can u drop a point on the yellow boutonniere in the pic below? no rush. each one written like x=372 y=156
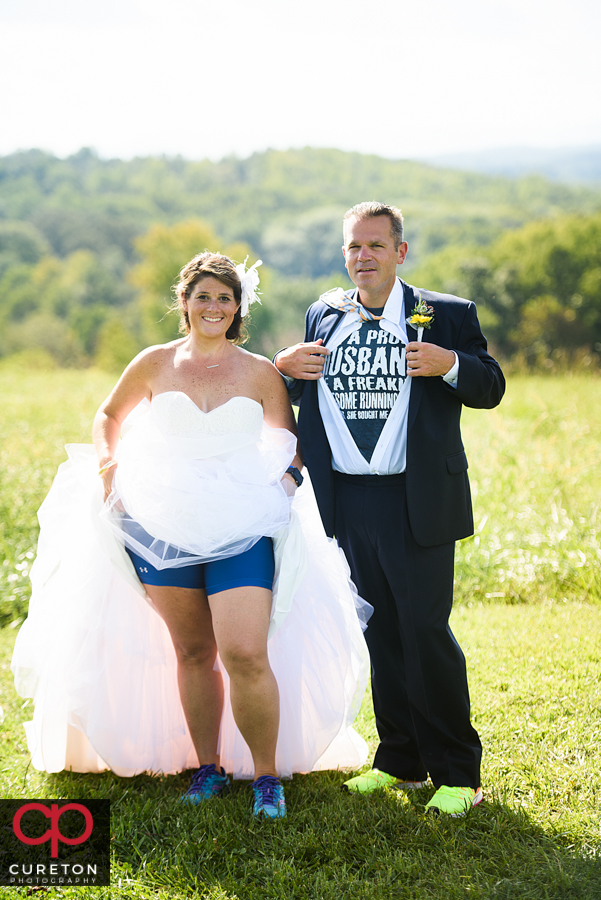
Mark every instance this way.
x=421 y=317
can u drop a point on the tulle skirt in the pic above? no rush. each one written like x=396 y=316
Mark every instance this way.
x=193 y=486
x=99 y=663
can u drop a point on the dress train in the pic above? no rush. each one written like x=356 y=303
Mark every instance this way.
x=100 y=666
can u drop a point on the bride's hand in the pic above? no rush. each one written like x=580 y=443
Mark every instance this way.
x=107 y=481
x=289 y=485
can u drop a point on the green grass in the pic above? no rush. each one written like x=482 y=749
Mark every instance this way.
x=528 y=618
x=535 y=682
x=39 y=413
x=536 y=481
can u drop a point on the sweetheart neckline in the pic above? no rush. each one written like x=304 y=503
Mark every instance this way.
x=215 y=408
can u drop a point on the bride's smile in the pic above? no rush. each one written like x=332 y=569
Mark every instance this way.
x=211 y=307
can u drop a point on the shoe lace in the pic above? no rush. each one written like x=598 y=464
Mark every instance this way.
x=267 y=786
x=200 y=778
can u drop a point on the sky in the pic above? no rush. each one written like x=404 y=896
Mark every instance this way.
x=208 y=79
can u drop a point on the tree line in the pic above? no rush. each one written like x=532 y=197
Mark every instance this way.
x=89 y=248
x=538 y=289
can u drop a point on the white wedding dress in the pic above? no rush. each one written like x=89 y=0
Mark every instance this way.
x=95 y=656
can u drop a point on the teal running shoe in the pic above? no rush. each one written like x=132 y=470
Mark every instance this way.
x=269 y=797
x=205 y=784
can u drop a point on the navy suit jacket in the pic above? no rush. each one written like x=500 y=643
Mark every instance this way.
x=438 y=492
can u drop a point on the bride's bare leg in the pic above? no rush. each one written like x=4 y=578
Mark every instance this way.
x=240 y=624
x=188 y=617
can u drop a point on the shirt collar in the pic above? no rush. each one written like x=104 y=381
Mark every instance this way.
x=393 y=316
x=393 y=310
x=393 y=319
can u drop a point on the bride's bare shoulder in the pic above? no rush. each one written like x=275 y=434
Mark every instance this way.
x=254 y=360
x=259 y=366
x=267 y=382
x=157 y=355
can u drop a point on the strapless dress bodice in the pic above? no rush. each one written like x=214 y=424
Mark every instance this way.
x=176 y=414
x=198 y=484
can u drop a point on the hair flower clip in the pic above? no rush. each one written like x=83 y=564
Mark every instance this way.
x=421 y=317
x=249 y=282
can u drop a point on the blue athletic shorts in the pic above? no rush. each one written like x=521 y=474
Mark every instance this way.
x=254 y=568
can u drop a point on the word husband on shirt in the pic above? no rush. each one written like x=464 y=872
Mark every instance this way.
x=365 y=374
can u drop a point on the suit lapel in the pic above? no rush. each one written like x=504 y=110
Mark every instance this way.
x=329 y=321
x=417 y=384
x=410 y=297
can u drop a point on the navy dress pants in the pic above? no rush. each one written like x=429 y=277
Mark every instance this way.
x=419 y=680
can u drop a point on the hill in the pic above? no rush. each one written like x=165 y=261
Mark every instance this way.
x=573 y=165
x=286 y=205
x=74 y=269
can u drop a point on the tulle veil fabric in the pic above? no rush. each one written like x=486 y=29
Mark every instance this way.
x=98 y=660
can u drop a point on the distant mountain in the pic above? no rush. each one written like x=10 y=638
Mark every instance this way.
x=576 y=165
x=286 y=205
x=71 y=225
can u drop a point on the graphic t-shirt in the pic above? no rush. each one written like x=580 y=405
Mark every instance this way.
x=365 y=374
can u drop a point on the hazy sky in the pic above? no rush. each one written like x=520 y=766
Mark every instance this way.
x=206 y=79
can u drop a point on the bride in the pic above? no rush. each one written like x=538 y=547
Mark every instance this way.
x=255 y=663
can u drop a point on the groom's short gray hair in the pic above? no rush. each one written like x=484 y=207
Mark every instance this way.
x=371 y=209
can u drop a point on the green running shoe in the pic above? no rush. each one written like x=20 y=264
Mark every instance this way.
x=454 y=801
x=374 y=780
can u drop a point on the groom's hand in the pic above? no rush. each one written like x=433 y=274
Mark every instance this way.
x=304 y=361
x=428 y=359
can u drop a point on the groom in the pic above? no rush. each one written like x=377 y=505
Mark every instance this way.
x=379 y=432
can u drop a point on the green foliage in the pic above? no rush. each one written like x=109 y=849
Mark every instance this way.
x=30 y=360
x=20 y=242
x=555 y=265
x=46 y=332
x=307 y=245
x=538 y=288
x=115 y=348
x=58 y=305
x=76 y=236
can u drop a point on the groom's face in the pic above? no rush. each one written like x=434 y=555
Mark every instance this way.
x=370 y=253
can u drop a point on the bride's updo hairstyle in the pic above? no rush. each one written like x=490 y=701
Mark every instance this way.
x=212 y=265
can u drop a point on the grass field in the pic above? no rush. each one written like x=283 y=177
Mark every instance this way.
x=528 y=616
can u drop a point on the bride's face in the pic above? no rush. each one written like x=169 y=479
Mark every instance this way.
x=211 y=307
